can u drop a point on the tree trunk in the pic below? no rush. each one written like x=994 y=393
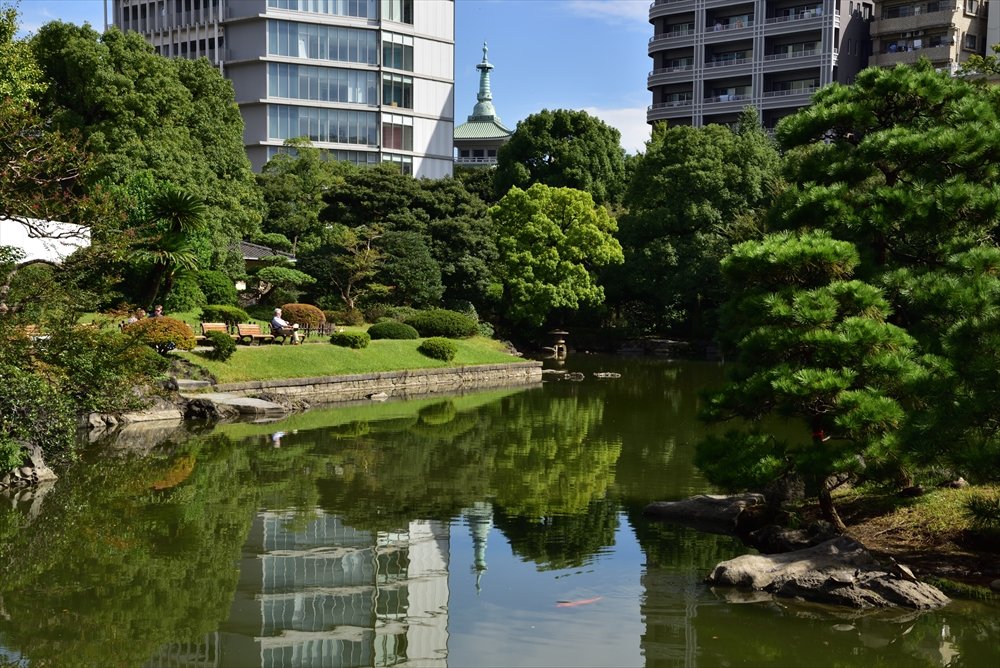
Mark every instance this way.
x=828 y=509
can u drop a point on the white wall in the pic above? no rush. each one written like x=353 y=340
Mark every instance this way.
x=435 y=18
x=436 y=59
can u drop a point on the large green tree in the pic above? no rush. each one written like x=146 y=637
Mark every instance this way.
x=139 y=112
x=694 y=193
x=551 y=244
x=293 y=184
x=905 y=164
x=452 y=224
x=814 y=345
x=564 y=149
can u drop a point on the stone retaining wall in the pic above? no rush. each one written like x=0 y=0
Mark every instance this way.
x=326 y=389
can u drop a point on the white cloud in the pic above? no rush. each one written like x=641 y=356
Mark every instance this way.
x=629 y=12
x=631 y=122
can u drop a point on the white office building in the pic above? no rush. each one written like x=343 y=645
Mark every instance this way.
x=367 y=80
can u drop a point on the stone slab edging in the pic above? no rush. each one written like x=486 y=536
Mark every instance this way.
x=393 y=383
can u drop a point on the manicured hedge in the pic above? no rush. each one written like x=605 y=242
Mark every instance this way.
x=223 y=346
x=438 y=348
x=442 y=322
x=391 y=329
x=351 y=317
x=231 y=315
x=163 y=333
x=351 y=339
x=218 y=288
x=304 y=315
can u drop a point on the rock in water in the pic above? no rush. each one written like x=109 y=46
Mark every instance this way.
x=840 y=571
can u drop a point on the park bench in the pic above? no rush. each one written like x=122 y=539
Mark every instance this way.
x=283 y=334
x=207 y=327
x=248 y=333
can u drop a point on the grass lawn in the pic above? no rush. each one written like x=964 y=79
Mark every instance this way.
x=318 y=357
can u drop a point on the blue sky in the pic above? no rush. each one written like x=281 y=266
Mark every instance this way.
x=547 y=54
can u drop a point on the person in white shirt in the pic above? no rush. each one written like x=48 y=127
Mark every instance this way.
x=281 y=326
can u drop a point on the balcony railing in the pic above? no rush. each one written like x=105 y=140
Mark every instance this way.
x=794 y=54
x=668 y=70
x=723 y=27
x=801 y=16
x=670 y=105
x=791 y=91
x=725 y=98
x=476 y=161
x=917 y=10
x=727 y=62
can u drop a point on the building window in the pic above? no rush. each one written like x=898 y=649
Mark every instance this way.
x=301 y=40
x=970 y=42
x=397 y=51
x=397 y=132
x=972 y=7
x=400 y=11
x=405 y=162
x=325 y=125
x=397 y=91
x=364 y=9
x=324 y=84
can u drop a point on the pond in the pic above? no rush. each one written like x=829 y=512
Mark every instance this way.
x=500 y=528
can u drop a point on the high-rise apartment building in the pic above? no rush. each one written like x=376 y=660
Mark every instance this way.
x=711 y=58
x=366 y=80
x=945 y=32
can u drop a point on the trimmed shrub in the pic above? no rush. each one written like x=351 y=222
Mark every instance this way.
x=218 y=288
x=438 y=348
x=223 y=346
x=442 y=322
x=231 y=315
x=390 y=329
x=351 y=339
x=163 y=334
x=305 y=315
x=351 y=317
x=376 y=312
x=185 y=295
x=485 y=329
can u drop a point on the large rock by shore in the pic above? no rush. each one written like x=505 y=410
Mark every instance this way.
x=840 y=571
x=707 y=512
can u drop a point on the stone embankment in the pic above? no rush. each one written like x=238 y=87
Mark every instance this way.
x=811 y=564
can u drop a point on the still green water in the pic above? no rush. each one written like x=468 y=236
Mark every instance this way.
x=500 y=528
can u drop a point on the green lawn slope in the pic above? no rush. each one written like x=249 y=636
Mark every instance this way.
x=320 y=358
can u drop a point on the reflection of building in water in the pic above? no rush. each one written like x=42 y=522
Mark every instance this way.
x=316 y=592
x=480 y=519
x=668 y=610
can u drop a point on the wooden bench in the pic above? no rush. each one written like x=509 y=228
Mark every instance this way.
x=207 y=327
x=283 y=335
x=248 y=333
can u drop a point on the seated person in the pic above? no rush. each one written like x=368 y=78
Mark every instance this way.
x=281 y=327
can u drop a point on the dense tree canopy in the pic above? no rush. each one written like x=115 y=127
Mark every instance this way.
x=551 y=243
x=564 y=149
x=139 y=112
x=694 y=194
x=439 y=217
x=893 y=375
x=813 y=345
x=293 y=185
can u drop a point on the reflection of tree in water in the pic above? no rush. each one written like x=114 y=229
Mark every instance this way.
x=429 y=468
x=126 y=555
x=547 y=461
x=784 y=633
x=561 y=541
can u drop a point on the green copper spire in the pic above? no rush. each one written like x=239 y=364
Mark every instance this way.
x=484 y=110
